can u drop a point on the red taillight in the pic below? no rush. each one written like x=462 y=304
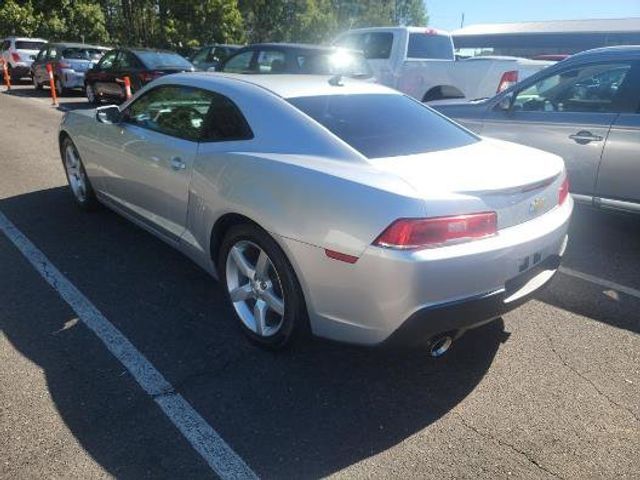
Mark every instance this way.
x=408 y=233
x=563 y=191
x=508 y=79
x=64 y=65
x=15 y=56
x=146 y=77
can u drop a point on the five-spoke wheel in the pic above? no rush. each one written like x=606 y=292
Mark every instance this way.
x=261 y=286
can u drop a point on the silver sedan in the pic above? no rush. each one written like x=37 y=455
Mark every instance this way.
x=327 y=205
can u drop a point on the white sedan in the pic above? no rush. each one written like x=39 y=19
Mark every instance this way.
x=327 y=205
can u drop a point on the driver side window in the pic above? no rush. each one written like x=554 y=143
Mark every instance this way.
x=589 y=88
x=107 y=61
x=173 y=110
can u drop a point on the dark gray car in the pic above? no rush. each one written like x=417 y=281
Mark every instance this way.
x=585 y=109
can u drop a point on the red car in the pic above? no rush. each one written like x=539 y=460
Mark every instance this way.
x=105 y=81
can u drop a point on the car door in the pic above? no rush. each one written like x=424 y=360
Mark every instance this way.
x=568 y=112
x=102 y=73
x=619 y=172
x=148 y=157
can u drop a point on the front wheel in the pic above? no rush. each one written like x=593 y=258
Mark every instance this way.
x=262 y=287
x=77 y=177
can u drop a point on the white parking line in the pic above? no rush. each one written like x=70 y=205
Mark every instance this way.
x=601 y=281
x=202 y=437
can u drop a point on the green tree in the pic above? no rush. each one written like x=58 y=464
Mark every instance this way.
x=18 y=18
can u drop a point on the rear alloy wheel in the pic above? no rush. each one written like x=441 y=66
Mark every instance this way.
x=77 y=177
x=91 y=95
x=261 y=286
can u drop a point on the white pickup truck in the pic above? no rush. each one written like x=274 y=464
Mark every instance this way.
x=421 y=62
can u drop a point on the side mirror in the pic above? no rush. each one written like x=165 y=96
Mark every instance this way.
x=109 y=115
x=505 y=103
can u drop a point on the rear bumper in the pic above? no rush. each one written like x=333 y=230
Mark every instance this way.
x=439 y=290
x=21 y=70
x=459 y=316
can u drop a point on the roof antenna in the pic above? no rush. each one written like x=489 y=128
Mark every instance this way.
x=336 y=81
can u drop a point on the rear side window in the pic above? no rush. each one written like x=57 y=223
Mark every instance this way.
x=429 y=45
x=225 y=122
x=26 y=45
x=384 y=125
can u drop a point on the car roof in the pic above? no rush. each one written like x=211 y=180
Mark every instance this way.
x=291 y=46
x=605 y=53
x=78 y=45
x=292 y=85
x=25 y=39
x=410 y=29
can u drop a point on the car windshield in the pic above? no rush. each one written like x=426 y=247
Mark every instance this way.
x=163 y=60
x=341 y=62
x=28 y=45
x=384 y=125
x=430 y=45
x=80 y=53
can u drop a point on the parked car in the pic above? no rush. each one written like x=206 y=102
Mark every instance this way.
x=586 y=109
x=18 y=53
x=210 y=56
x=281 y=58
x=69 y=61
x=105 y=81
x=421 y=62
x=347 y=208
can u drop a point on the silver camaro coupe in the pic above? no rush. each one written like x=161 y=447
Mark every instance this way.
x=327 y=205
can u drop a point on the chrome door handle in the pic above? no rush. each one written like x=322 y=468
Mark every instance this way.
x=584 y=136
x=177 y=164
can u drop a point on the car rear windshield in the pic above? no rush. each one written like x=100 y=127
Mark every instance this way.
x=160 y=60
x=384 y=125
x=27 y=45
x=350 y=64
x=428 y=45
x=79 y=53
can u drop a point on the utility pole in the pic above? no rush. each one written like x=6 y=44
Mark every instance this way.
x=462 y=20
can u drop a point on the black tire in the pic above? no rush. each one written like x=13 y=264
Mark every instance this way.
x=95 y=100
x=295 y=325
x=36 y=85
x=12 y=75
x=60 y=90
x=89 y=202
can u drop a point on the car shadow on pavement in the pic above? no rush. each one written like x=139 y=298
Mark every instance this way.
x=605 y=245
x=303 y=413
x=72 y=100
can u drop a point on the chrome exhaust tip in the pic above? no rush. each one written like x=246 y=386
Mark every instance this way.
x=438 y=346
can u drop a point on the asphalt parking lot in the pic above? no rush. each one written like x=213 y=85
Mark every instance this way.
x=550 y=391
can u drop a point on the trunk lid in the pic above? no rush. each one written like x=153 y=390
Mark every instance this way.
x=519 y=183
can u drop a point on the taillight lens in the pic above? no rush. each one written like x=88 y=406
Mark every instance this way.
x=508 y=79
x=15 y=56
x=563 y=191
x=413 y=233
